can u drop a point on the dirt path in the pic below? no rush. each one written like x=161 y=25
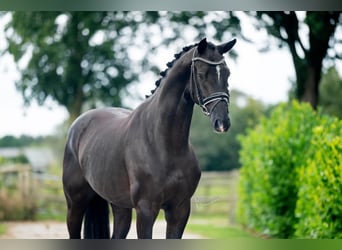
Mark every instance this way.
x=58 y=230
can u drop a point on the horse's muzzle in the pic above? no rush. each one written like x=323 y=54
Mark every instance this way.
x=220 y=119
x=221 y=126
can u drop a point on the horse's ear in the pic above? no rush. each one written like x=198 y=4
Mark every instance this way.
x=202 y=45
x=223 y=48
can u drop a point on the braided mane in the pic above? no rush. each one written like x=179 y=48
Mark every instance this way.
x=169 y=66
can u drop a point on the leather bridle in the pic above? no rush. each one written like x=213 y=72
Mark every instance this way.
x=215 y=97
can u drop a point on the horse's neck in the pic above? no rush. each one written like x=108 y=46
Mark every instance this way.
x=174 y=83
x=174 y=111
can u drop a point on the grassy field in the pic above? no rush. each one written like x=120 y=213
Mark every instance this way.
x=216 y=227
x=2 y=229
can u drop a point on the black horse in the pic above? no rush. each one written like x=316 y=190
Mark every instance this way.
x=143 y=159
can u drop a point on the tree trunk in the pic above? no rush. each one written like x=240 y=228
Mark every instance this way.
x=311 y=86
x=322 y=27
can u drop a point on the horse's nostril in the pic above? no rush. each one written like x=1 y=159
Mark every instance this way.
x=219 y=126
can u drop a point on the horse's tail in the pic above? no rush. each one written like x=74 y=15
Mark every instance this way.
x=96 y=223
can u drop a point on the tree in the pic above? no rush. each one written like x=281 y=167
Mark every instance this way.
x=75 y=58
x=308 y=60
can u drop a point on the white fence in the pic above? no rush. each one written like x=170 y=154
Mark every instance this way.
x=217 y=193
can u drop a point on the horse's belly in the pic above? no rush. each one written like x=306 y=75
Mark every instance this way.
x=114 y=193
x=111 y=183
x=121 y=200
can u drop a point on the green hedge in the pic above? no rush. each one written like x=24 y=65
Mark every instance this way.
x=272 y=157
x=319 y=204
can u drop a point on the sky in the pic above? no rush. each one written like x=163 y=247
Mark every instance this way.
x=264 y=76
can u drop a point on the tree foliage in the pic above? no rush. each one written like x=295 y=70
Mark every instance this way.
x=74 y=58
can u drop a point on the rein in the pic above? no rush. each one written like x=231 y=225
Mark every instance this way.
x=215 y=97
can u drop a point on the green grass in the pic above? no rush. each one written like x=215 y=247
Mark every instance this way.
x=2 y=229
x=218 y=232
x=51 y=216
x=216 y=227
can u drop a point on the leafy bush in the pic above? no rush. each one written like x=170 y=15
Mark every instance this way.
x=271 y=155
x=319 y=205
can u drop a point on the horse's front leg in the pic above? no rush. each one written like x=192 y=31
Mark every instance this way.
x=176 y=218
x=122 y=222
x=146 y=216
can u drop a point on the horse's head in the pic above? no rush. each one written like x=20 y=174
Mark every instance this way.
x=209 y=82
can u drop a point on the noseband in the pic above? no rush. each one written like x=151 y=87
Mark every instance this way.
x=215 y=97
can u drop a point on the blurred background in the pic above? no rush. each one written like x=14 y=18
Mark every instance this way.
x=285 y=72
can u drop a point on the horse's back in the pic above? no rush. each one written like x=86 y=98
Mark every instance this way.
x=90 y=124
x=98 y=117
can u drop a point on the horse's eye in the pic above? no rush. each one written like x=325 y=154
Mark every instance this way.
x=201 y=76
